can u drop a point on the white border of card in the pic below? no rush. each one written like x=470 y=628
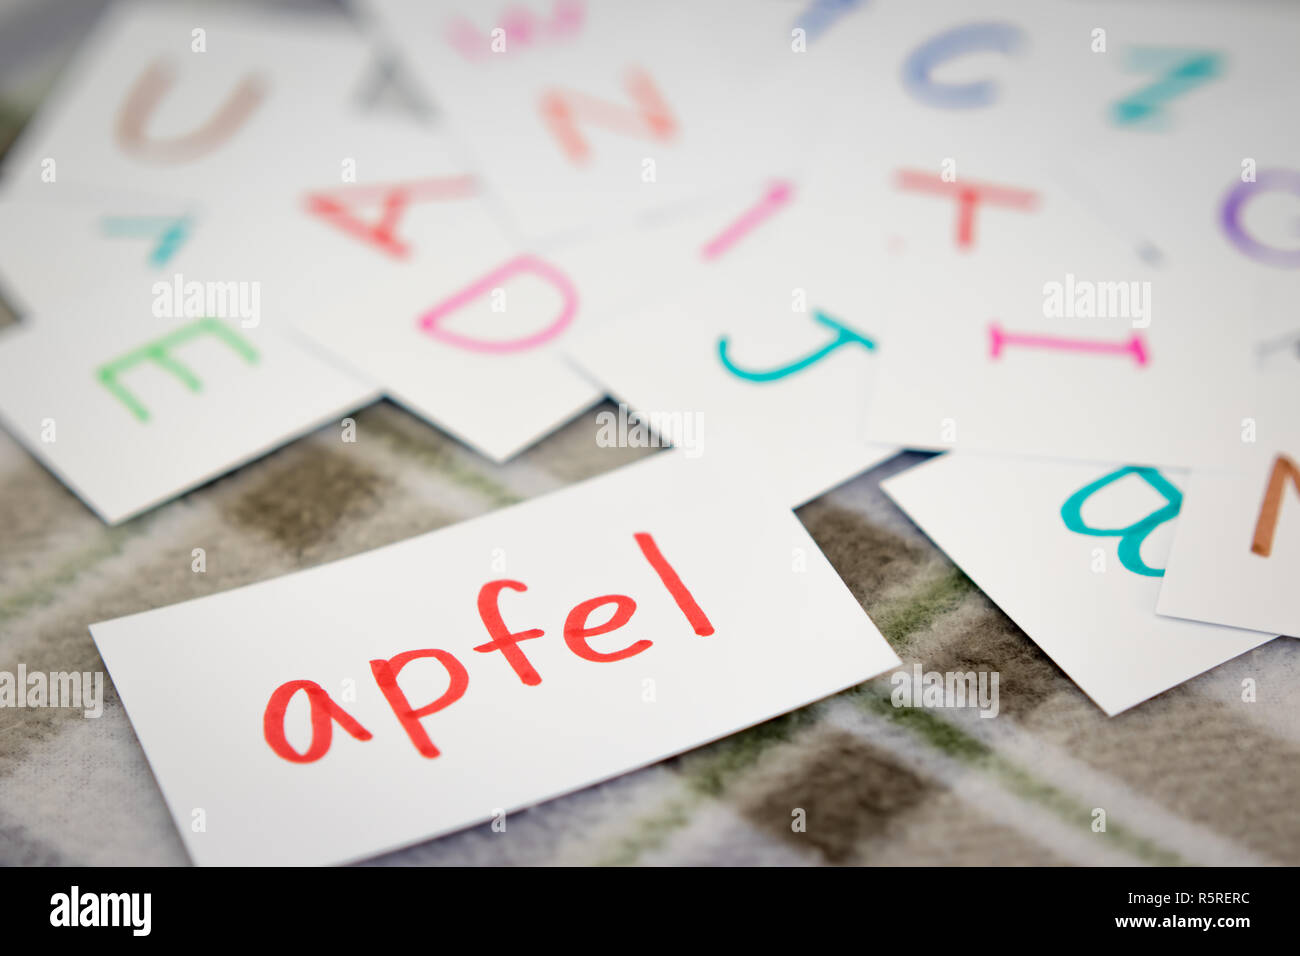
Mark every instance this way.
x=1076 y=594
x=1236 y=556
x=276 y=708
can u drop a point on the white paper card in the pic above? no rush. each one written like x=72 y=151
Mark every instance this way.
x=147 y=363
x=760 y=353
x=164 y=101
x=651 y=610
x=1087 y=597
x=582 y=112
x=1017 y=320
x=130 y=411
x=401 y=273
x=62 y=260
x=1175 y=133
x=1085 y=358
x=1236 y=556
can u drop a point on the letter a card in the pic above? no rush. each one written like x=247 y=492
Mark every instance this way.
x=401 y=694
x=1236 y=554
x=1073 y=554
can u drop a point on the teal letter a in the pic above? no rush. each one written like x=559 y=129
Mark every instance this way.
x=1130 y=538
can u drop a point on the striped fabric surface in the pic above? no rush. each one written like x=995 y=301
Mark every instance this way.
x=1194 y=776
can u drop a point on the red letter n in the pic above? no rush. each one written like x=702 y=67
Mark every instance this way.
x=651 y=119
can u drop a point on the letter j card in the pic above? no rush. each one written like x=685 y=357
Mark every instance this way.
x=462 y=675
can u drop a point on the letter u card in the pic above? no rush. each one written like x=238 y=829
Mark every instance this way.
x=166 y=101
x=1073 y=553
x=462 y=675
x=771 y=338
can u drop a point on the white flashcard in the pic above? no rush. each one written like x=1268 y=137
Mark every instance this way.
x=60 y=261
x=462 y=675
x=580 y=113
x=760 y=354
x=1073 y=554
x=940 y=146
x=934 y=147
x=1236 y=555
x=1075 y=359
x=1017 y=320
x=135 y=336
x=1176 y=131
x=130 y=409
x=168 y=101
x=1167 y=127
x=385 y=255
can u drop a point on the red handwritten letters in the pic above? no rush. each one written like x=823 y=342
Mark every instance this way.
x=578 y=634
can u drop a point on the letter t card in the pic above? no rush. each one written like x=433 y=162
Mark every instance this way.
x=433 y=684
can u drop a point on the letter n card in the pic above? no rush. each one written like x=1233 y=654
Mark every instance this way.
x=1236 y=556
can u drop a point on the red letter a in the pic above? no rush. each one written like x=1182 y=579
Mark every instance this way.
x=393 y=198
x=323 y=712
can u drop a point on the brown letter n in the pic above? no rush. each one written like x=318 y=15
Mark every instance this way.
x=1283 y=468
